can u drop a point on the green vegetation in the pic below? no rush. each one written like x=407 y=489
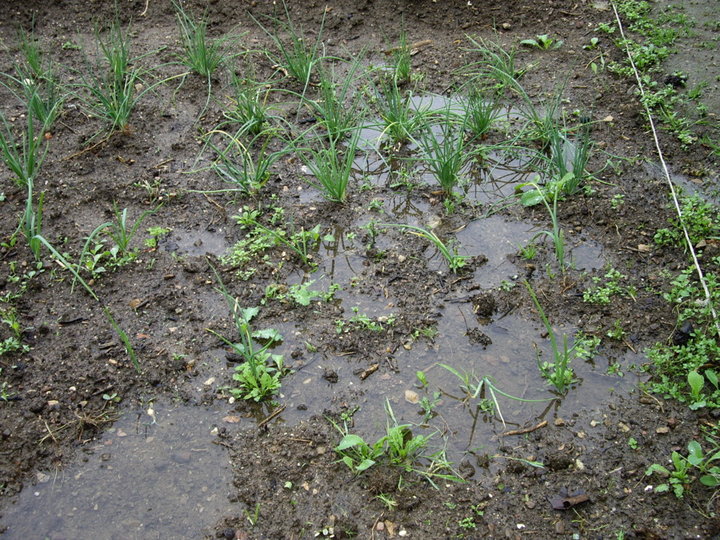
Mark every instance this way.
x=448 y=251
x=543 y=42
x=604 y=291
x=397 y=448
x=678 y=476
x=258 y=376
x=700 y=217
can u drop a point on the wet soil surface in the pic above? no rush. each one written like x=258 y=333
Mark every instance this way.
x=76 y=378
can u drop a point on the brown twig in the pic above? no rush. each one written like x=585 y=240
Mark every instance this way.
x=523 y=431
x=273 y=415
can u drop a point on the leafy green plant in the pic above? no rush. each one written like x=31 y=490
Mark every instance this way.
x=543 y=42
x=549 y=196
x=448 y=251
x=397 y=448
x=156 y=233
x=602 y=293
x=568 y=159
x=258 y=376
x=678 y=476
x=700 y=217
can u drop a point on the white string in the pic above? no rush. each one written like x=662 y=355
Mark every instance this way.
x=696 y=263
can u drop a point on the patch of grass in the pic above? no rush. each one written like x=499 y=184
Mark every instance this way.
x=23 y=155
x=445 y=149
x=330 y=161
x=605 y=289
x=400 y=120
x=200 y=53
x=297 y=57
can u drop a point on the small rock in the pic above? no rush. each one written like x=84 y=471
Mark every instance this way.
x=53 y=404
x=663 y=430
x=411 y=396
x=559 y=422
x=622 y=426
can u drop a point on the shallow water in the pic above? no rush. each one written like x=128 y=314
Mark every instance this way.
x=146 y=477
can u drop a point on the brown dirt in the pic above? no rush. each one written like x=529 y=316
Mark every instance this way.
x=165 y=301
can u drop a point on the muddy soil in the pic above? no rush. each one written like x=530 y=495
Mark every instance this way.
x=76 y=377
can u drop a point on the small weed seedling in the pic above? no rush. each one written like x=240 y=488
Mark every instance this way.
x=258 y=376
x=23 y=154
x=678 y=476
x=543 y=42
x=603 y=293
x=398 y=448
x=559 y=372
x=550 y=200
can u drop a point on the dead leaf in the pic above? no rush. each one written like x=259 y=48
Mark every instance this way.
x=231 y=419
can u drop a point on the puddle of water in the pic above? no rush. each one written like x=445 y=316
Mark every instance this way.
x=496 y=238
x=139 y=480
x=194 y=243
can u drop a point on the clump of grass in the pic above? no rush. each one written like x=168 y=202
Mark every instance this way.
x=496 y=68
x=330 y=162
x=200 y=53
x=239 y=164
x=481 y=111
x=40 y=90
x=23 y=154
x=250 y=108
x=338 y=110
x=297 y=57
x=445 y=149
x=399 y=119
x=116 y=83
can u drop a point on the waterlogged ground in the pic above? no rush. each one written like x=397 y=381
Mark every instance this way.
x=93 y=448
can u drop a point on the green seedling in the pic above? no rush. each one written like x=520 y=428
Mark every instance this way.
x=156 y=233
x=448 y=251
x=402 y=67
x=496 y=66
x=200 y=53
x=115 y=84
x=549 y=196
x=250 y=107
x=23 y=155
x=389 y=502
x=593 y=44
x=239 y=164
x=339 y=111
x=678 y=476
x=700 y=217
x=481 y=112
x=543 y=42
x=298 y=58
x=568 y=159
x=400 y=120
x=330 y=162
x=559 y=372
x=398 y=448
x=445 y=149
x=61 y=260
x=602 y=293
x=258 y=376
x=479 y=387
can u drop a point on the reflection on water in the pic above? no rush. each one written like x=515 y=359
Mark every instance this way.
x=146 y=477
